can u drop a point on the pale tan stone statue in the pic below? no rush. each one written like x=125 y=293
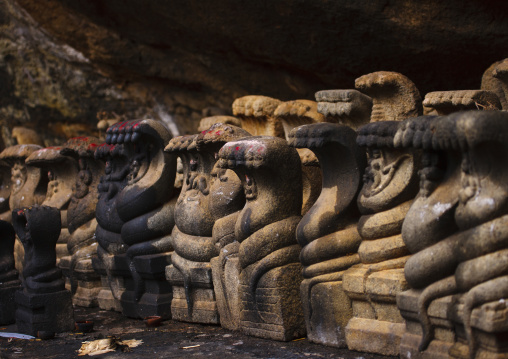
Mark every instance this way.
x=207 y=122
x=257 y=115
x=495 y=79
x=390 y=184
x=204 y=216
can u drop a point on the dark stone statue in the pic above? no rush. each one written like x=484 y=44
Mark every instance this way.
x=9 y=281
x=44 y=305
x=135 y=216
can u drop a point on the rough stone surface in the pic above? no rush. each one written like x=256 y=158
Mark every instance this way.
x=172 y=60
x=327 y=232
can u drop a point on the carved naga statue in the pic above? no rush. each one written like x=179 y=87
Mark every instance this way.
x=28 y=185
x=428 y=223
x=135 y=215
x=495 y=79
x=82 y=244
x=346 y=107
x=257 y=115
x=470 y=262
x=205 y=215
x=9 y=281
x=61 y=172
x=327 y=233
x=390 y=184
x=293 y=114
x=268 y=252
x=44 y=305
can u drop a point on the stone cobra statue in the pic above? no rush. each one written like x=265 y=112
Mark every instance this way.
x=390 y=184
x=327 y=233
x=44 y=305
x=9 y=277
x=428 y=223
x=469 y=261
x=81 y=222
x=268 y=252
x=210 y=195
x=140 y=185
x=257 y=115
x=61 y=172
x=346 y=107
x=495 y=79
x=38 y=228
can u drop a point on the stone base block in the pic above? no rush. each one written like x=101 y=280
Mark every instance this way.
x=105 y=299
x=49 y=312
x=226 y=281
x=8 y=303
x=274 y=310
x=439 y=314
x=156 y=293
x=197 y=304
x=327 y=313
x=374 y=336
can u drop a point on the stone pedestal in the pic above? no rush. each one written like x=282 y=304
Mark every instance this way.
x=8 y=303
x=88 y=282
x=49 y=312
x=490 y=330
x=331 y=311
x=274 y=312
x=105 y=298
x=439 y=312
x=197 y=304
x=376 y=326
x=157 y=294
x=226 y=279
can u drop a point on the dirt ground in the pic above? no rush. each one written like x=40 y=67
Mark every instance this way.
x=170 y=340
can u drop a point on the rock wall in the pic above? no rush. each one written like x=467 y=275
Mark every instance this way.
x=64 y=61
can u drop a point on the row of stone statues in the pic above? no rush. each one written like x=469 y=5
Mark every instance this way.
x=355 y=220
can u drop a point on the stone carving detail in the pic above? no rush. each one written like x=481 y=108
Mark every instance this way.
x=205 y=214
x=257 y=115
x=44 y=305
x=327 y=233
x=268 y=253
x=9 y=282
x=135 y=216
x=445 y=102
x=495 y=79
x=61 y=173
x=346 y=107
x=456 y=230
x=82 y=244
x=293 y=114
